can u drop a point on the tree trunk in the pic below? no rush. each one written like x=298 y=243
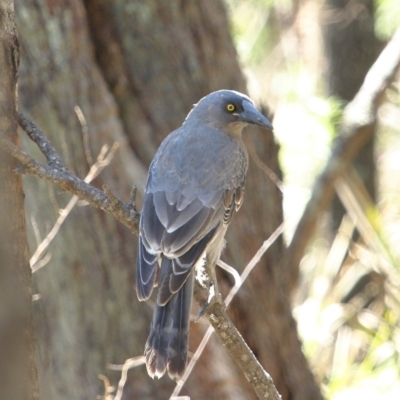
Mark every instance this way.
x=135 y=69
x=351 y=49
x=18 y=373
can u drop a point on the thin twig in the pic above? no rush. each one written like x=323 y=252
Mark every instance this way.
x=108 y=389
x=132 y=197
x=264 y=168
x=128 y=364
x=253 y=262
x=226 y=267
x=36 y=230
x=85 y=134
x=102 y=161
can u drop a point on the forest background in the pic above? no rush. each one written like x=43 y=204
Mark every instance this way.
x=106 y=81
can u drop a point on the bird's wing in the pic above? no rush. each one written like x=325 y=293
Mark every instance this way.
x=180 y=235
x=189 y=195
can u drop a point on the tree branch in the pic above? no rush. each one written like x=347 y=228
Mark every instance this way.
x=261 y=381
x=59 y=175
x=37 y=136
x=104 y=158
x=56 y=173
x=355 y=130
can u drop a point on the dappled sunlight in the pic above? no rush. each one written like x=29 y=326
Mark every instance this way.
x=347 y=304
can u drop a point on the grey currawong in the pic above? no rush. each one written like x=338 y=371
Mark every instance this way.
x=195 y=183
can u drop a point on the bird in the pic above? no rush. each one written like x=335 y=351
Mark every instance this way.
x=195 y=183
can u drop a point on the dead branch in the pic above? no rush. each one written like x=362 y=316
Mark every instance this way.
x=104 y=158
x=126 y=213
x=55 y=172
x=356 y=129
x=130 y=363
x=36 y=135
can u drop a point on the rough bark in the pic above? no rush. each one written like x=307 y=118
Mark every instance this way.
x=18 y=373
x=88 y=315
x=134 y=73
x=351 y=48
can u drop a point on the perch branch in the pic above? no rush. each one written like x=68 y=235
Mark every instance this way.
x=126 y=213
x=239 y=280
x=356 y=129
x=261 y=381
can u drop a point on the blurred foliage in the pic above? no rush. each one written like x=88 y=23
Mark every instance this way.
x=348 y=302
x=252 y=28
x=387 y=18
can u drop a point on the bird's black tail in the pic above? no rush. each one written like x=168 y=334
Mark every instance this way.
x=167 y=344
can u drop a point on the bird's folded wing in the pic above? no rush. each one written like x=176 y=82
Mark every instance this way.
x=181 y=235
x=173 y=232
x=183 y=208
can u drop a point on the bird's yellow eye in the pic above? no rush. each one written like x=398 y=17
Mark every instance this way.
x=230 y=107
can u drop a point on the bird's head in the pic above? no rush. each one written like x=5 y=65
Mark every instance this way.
x=227 y=110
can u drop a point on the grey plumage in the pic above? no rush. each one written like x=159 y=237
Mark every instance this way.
x=196 y=181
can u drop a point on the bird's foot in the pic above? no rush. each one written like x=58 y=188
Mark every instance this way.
x=213 y=298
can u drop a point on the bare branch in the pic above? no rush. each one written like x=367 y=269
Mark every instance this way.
x=103 y=159
x=125 y=213
x=108 y=389
x=253 y=262
x=85 y=134
x=129 y=363
x=264 y=168
x=37 y=136
x=356 y=129
x=132 y=197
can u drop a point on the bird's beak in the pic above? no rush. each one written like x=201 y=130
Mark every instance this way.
x=252 y=116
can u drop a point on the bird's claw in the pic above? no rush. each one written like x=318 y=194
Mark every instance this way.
x=213 y=298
